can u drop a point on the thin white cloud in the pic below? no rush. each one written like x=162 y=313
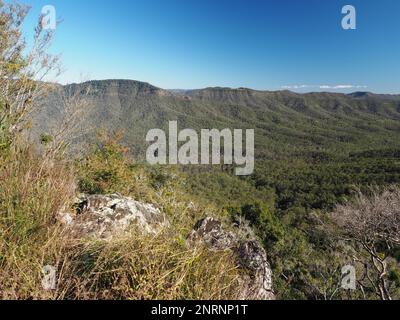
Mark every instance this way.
x=324 y=87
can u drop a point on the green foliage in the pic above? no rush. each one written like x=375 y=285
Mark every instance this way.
x=322 y=185
x=45 y=139
x=255 y=213
x=281 y=201
x=395 y=276
x=106 y=170
x=226 y=190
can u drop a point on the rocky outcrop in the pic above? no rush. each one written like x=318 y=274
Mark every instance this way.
x=251 y=256
x=106 y=216
x=103 y=216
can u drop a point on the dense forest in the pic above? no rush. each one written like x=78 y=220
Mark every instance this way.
x=288 y=202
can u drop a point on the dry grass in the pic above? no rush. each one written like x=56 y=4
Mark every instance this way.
x=139 y=267
x=34 y=190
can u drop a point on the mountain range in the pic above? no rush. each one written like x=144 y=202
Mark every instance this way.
x=285 y=122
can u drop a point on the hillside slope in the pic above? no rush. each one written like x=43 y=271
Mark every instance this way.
x=284 y=122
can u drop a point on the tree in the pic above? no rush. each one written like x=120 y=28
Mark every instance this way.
x=371 y=224
x=23 y=69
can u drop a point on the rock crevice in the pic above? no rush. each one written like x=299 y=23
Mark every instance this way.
x=251 y=256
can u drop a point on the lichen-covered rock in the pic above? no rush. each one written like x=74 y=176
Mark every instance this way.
x=103 y=216
x=210 y=232
x=251 y=256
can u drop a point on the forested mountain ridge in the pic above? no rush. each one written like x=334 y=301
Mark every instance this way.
x=284 y=122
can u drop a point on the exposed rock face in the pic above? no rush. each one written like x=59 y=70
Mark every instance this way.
x=102 y=216
x=210 y=232
x=250 y=254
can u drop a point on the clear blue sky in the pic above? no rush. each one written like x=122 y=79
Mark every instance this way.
x=269 y=45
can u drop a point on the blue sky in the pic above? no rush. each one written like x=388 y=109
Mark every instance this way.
x=267 y=45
